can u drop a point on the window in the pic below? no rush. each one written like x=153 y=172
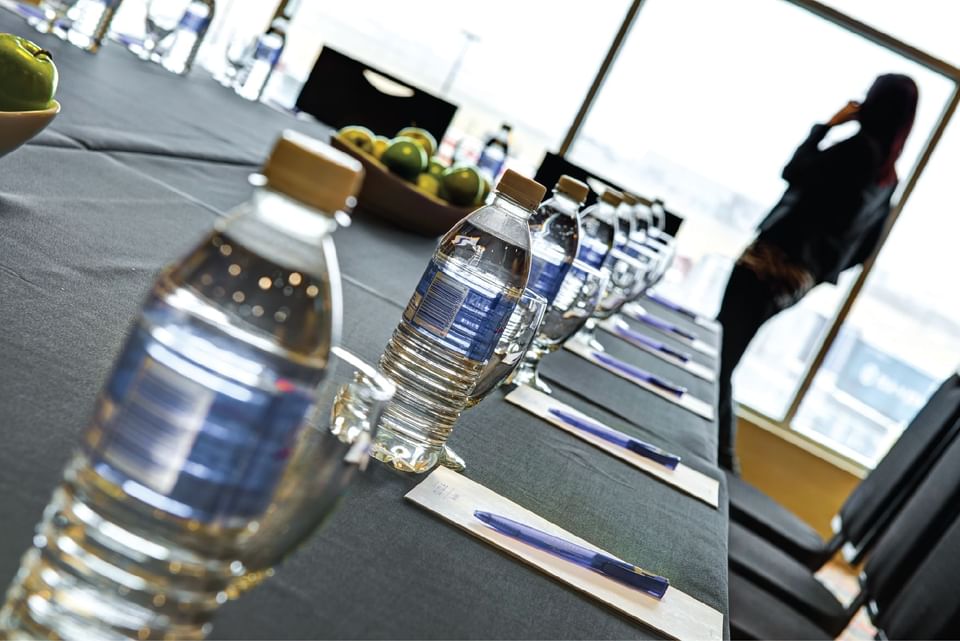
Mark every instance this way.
x=929 y=25
x=703 y=107
x=528 y=63
x=902 y=337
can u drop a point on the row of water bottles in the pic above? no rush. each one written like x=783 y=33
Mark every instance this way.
x=233 y=420
x=468 y=303
x=175 y=31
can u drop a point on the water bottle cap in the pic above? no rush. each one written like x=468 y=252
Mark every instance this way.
x=646 y=202
x=314 y=173
x=612 y=197
x=572 y=187
x=525 y=192
x=630 y=199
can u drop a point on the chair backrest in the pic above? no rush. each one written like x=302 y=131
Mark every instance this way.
x=875 y=501
x=342 y=91
x=554 y=166
x=915 y=531
x=928 y=606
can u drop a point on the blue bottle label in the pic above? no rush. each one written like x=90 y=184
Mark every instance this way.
x=190 y=441
x=546 y=276
x=194 y=22
x=267 y=53
x=592 y=251
x=462 y=318
x=491 y=162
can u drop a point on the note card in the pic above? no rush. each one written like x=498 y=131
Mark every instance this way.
x=455 y=498
x=619 y=328
x=672 y=392
x=684 y=478
x=638 y=313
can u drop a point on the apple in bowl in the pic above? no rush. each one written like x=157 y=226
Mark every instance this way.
x=28 y=83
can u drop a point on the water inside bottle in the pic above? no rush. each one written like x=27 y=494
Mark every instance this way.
x=449 y=330
x=189 y=443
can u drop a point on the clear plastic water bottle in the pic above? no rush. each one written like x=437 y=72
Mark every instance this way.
x=252 y=80
x=452 y=324
x=188 y=36
x=641 y=211
x=598 y=227
x=205 y=459
x=89 y=21
x=52 y=17
x=659 y=214
x=555 y=234
x=494 y=153
x=625 y=225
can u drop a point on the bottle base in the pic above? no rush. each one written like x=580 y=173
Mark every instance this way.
x=588 y=336
x=403 y=453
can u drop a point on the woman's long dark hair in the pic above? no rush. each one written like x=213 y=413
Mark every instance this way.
x=886 y=115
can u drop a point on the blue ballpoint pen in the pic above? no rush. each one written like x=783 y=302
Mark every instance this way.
x=639 y=374
x=652 y=452
x=667 y=327
x=652 y=344
x=669 y=304
x=612 y=567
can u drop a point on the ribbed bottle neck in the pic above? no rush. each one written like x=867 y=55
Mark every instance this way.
x=511 y=206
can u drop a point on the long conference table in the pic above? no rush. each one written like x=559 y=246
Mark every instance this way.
x=136 y=168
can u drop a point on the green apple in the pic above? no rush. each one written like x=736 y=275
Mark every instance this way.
x=461 y=185
x=358 y=137
x=436 y=167
x=429 y=183
x=405 y=157
x=423 y=137
x=28 y=77
x=484 y=192
x=380 y=144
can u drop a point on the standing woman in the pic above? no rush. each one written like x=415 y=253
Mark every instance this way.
x=829 y=219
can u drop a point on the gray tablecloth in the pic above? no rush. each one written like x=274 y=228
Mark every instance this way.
x=135 y=170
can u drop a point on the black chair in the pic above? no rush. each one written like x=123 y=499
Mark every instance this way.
x=342 y=91
x=773 y=582
x=871 y=505
x=553 y=166
x=927 y=606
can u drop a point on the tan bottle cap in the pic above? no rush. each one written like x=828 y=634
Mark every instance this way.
x=314 y=173
x=572 y=187
x=611 y=196
x=630 y=199
x=646 y=202
x=525 y=192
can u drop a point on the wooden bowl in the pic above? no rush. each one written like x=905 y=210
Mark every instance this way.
x=17 y=127
x=387 y=196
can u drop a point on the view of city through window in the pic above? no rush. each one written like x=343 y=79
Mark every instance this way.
x=690 y=112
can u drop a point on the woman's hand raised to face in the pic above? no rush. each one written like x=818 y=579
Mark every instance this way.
x=847 y=113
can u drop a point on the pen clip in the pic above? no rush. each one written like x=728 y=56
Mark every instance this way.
x=669 y=461
x=654 y=585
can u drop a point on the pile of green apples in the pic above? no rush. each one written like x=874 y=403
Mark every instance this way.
x=410 y=155
x=28 y=77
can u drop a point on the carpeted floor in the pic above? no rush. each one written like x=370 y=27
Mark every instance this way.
x=842 y=581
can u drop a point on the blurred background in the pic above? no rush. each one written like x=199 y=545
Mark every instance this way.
x=702 y=106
